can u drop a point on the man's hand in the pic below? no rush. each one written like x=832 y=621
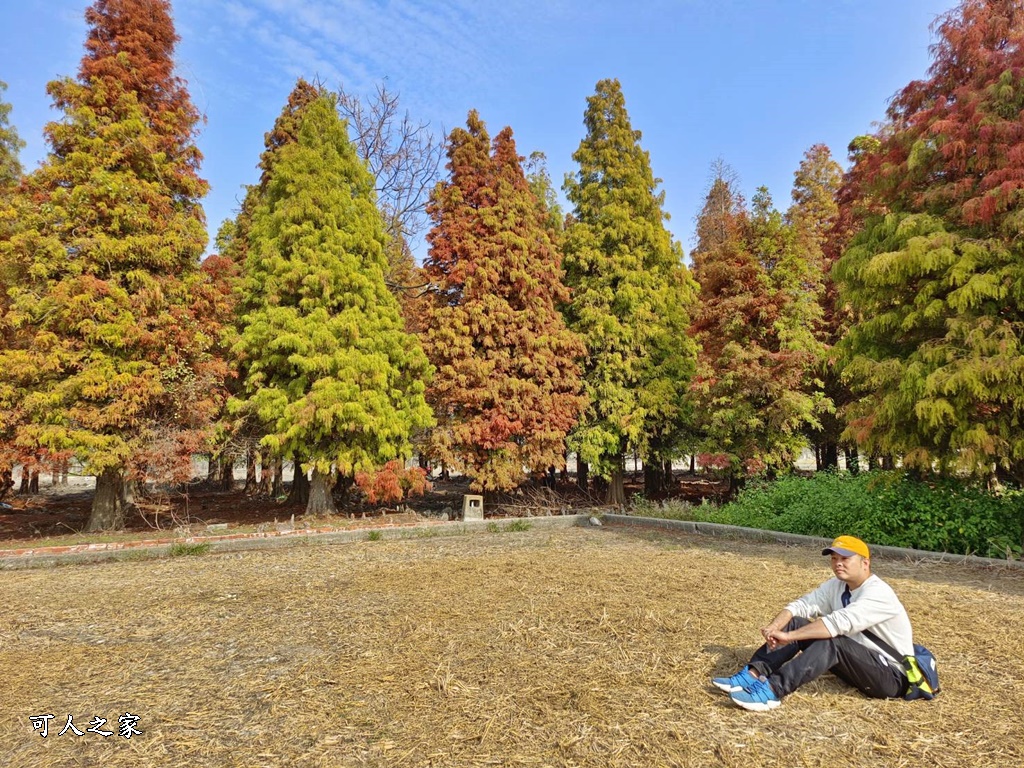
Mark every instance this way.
x=770 y=632
x=776 y=638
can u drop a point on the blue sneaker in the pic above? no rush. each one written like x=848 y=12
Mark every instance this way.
x=737 y=682
x=758 y=697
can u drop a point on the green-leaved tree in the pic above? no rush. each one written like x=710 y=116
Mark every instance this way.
x=329 y=367
x=936 y=276
x=631 y=297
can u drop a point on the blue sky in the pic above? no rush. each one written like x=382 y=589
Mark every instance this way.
x=753 y=82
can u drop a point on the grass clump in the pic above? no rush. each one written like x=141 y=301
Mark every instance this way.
x=189 y=549
x=669 y=509
x=512 y=527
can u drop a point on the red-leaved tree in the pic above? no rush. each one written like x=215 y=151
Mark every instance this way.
x=507 y=388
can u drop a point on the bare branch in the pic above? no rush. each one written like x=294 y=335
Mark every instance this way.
x=403 y=155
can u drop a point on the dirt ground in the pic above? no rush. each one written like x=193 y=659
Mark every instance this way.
x=63 y=511
x=546 y=647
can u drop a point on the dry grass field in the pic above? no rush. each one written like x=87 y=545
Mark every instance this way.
x=560 y=647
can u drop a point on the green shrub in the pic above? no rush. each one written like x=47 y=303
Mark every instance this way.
x=890 y=508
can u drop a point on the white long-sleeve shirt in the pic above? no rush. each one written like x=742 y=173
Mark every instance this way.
x=873 y=605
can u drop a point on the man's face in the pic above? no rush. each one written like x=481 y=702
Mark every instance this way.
x=852 y=570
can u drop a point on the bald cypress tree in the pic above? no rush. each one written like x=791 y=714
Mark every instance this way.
x=755 y=325
x=936 y=276
x=814 y=217
x=506 y=391
x=242 y=429
x=631 y=295
x=115 y=319
x=10 y=175
x=328 y=364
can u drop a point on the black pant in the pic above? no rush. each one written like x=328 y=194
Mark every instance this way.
x=791 y=665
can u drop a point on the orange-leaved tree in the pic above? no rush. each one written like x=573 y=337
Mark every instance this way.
x=115 y=319
x=507 y=385
x=754 y=323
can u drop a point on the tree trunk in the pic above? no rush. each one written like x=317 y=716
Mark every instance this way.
x=108 y=506
x=23 y=488
x=736 y=483
x=130 y=491
x=829 y=456
x=266 y=471
x=6 y=483
x=33 y=482
x=227 y=473
x=64 y=468
x=277 y=486
x=342 y=486
x=300 y=486
x=582 y=474
x=616 y=487
x=211 y=470
x=654 y=481
x=852 y=461
x=250 y=470
x=320 y=501
x=693 y=464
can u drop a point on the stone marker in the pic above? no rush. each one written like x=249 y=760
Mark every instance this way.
x=472 y=507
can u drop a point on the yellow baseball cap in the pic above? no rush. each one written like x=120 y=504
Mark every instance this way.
x=847 y=546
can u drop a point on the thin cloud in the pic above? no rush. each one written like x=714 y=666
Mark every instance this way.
x=357 y=44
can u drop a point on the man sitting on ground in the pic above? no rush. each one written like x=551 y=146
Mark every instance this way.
x=823 y=631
